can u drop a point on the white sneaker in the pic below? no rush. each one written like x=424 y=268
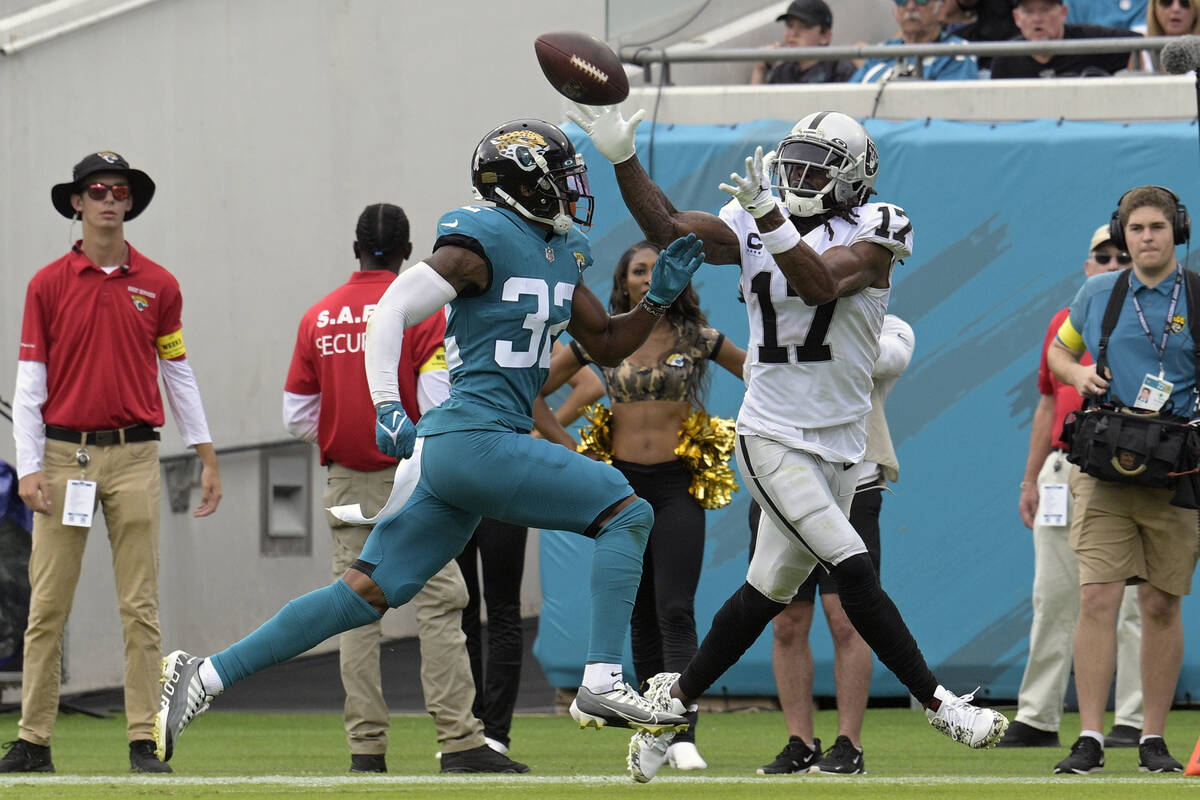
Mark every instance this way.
x=684 y=755
x=975 y=727
x=497 y=745
x=647 y=754
x=623 y=707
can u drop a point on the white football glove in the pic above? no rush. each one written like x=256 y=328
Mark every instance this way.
x=754 y=190
x=612 y=134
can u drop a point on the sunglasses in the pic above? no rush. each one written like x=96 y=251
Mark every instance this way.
x=99 y=191
x=927 y=2
x=1124 y=259
x=1184 y=4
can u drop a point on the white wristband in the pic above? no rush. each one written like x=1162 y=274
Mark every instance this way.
x=783 y=238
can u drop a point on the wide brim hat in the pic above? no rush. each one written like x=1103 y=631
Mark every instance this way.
x=104 y=161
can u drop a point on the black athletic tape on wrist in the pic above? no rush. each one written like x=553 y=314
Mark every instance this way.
x=653 y=308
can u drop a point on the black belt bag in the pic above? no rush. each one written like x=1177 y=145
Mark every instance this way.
x=1127 y=447
x=131 y=435
x=1123 y=445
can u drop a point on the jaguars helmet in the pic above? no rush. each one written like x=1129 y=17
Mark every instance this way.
x=532 y=167
x=827 y=163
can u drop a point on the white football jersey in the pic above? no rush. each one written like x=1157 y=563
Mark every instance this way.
x=808 y=369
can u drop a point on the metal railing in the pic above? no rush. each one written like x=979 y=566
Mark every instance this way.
x=647 y=57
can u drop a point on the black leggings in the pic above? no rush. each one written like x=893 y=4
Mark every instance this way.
x=501 y=549
x=663 y=625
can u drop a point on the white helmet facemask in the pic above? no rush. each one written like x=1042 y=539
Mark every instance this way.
x=827 y=162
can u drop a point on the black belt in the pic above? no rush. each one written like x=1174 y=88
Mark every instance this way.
x=132 y=434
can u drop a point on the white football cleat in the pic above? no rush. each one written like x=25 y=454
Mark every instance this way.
x=685 y=756
x=975 y=727
x=647 y=754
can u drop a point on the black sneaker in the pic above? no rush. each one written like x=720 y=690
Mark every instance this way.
x=1021 y=735
x=1153 y=757
x=23 y=756
x=841 y=759
x=795 y=756
x=1087 y=757
x=1123 y=736
x=368 y=762
x=143 y=759
x=480 y=759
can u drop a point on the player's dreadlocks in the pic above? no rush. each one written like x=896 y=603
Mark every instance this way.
x=846 y=213
x=381 y=228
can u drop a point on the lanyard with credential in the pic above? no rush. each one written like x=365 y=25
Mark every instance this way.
x=1160 y=349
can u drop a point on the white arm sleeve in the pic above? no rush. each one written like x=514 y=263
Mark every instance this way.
x=301 y=415
x=433 y=387
x=29 y=430
x=183 y=395
x=416 y=293
x=896 y=342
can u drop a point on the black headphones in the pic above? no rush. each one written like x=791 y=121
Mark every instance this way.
x=1181 y=225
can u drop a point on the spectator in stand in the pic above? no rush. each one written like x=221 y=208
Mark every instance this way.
x=993 y=21
x=1168 y=18
x=956 y=14
x=920 y=23
x=1128 y=14
x=1046 y=21
x=808 y=23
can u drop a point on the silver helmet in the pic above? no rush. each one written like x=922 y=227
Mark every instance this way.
x=827 y=162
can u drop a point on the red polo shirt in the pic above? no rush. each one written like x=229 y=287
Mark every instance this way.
x=328 y=360
x=1066 y=399
x=100 y=337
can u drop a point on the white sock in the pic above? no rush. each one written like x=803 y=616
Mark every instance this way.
x=1149 y=736
x=601 y=677
x=1097 y=735
x=210 y=679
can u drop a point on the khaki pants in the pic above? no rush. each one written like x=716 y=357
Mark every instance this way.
x=128 y=492
x=445 y=668
x=1055 y=611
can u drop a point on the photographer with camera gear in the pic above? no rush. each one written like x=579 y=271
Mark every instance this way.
x=1126 y=529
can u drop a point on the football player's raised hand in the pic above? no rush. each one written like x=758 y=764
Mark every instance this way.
x=674 y=268
x=612 y=134
x=753 y=191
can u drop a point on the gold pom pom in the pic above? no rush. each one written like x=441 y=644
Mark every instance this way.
x=596 y=438
x=705 y=446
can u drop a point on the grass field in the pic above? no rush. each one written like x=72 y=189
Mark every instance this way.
x=253 y=756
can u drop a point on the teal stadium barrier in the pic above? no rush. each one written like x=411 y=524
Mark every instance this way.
x=1002 y=216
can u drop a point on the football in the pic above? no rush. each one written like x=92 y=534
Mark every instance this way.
x=582 y=68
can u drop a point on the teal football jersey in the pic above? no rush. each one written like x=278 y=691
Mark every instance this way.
x=498 y=342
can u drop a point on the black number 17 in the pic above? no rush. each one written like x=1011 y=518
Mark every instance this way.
x=813 y=348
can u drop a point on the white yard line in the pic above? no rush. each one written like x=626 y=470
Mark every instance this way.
x=433 y=780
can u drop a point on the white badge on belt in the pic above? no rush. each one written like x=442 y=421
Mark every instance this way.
x=1052 y=505
x=80 y=501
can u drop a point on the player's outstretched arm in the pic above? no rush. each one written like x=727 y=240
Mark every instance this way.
x=660 y=221
x=609 y=339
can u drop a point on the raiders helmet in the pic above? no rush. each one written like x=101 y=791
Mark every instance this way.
x=827 y=163
x=532 y=167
